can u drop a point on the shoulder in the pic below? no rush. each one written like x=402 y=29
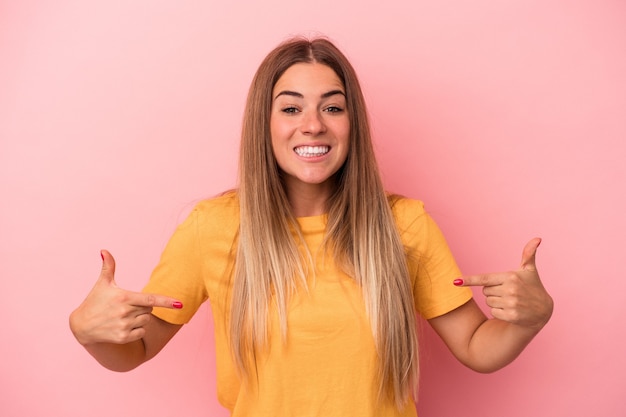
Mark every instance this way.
x=406 y=211
x=220 y=213
x=226 y=204
x=413 y=222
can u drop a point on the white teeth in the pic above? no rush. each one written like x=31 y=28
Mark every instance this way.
x=311 y=151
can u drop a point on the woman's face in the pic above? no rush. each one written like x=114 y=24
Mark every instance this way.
x=309 y=125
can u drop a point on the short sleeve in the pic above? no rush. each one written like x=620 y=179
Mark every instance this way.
x=431 y=263
x=179 y=273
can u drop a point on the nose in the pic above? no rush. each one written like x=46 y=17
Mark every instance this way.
x=313 y=124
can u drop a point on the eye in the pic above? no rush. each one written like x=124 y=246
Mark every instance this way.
x=333 y=109
x=290 y=110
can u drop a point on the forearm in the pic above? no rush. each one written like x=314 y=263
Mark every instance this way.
x=496 y=343
x=484 y=345
x=116 y=357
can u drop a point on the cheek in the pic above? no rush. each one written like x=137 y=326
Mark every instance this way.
x=279 y=140
x=344 y=134
x=279 y=132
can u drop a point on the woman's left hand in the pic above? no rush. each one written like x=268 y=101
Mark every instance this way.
x=517 y=297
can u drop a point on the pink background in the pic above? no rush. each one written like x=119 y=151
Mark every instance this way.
x=508 y=118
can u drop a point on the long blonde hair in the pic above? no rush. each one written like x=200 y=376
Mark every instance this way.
x=361 y=232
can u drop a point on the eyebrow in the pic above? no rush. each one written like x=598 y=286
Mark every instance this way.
x=299 y=95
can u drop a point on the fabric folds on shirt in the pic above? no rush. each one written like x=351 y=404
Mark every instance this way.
x=326 y=366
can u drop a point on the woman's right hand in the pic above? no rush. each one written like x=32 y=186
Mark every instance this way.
x=111 y=314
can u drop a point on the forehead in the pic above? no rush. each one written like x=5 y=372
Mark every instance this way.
x=309 y=77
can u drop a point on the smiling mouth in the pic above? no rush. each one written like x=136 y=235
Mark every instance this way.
x=312 y=151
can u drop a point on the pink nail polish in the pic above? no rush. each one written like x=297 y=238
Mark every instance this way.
x=458 y=282
x=177 y=304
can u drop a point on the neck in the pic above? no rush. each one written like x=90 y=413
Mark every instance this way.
x=309 y=199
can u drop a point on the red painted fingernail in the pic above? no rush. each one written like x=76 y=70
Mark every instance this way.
x=458 y=282
x=177 y=304
x=102 y=256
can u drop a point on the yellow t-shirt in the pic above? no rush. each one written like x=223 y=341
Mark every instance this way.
x=327 y=364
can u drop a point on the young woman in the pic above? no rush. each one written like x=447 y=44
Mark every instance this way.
x=314 y=273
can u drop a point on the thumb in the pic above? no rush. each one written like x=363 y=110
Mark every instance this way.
x=528 y=254
x=108 y=267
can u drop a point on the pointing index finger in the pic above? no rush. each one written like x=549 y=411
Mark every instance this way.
x=155 y=300
x=482 y=280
